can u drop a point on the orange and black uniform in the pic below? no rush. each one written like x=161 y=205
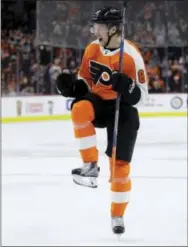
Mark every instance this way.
x=97 y=109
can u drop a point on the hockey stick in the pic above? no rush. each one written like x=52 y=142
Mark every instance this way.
x=118 y=99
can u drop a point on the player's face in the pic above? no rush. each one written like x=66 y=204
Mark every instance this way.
x=101 y=33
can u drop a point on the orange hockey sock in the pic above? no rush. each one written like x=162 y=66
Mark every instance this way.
x=82 y=116
x=120 y=187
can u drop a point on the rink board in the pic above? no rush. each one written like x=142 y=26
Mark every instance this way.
x=45 y=108
x=67 y=117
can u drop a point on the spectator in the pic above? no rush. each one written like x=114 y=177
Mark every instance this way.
x=157 y=85
x=55 y=70
x=175 y=83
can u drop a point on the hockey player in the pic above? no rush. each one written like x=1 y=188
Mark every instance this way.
x=95 y=91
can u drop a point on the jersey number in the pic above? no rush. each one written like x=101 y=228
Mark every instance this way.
x=141 y=76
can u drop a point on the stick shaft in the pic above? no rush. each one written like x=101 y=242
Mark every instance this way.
x=118 y=99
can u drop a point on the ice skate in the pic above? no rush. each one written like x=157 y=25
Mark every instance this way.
x=86 y=175
x=118 y=225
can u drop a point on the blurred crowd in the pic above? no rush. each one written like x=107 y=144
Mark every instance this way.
x=159 y=29
x=157 y=22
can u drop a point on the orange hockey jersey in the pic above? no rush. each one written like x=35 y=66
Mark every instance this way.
x=98 y=64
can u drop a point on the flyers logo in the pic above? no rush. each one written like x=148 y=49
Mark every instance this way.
x=100 y=73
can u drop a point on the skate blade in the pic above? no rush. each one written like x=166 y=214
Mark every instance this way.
x=90 y=182
x=118 y=236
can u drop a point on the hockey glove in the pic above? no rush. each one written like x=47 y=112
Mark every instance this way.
x=68 y=86
x=125 y=85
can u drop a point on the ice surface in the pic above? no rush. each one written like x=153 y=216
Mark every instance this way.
x=42 y=206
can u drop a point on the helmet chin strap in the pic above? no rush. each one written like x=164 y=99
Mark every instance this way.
x=108 y=41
